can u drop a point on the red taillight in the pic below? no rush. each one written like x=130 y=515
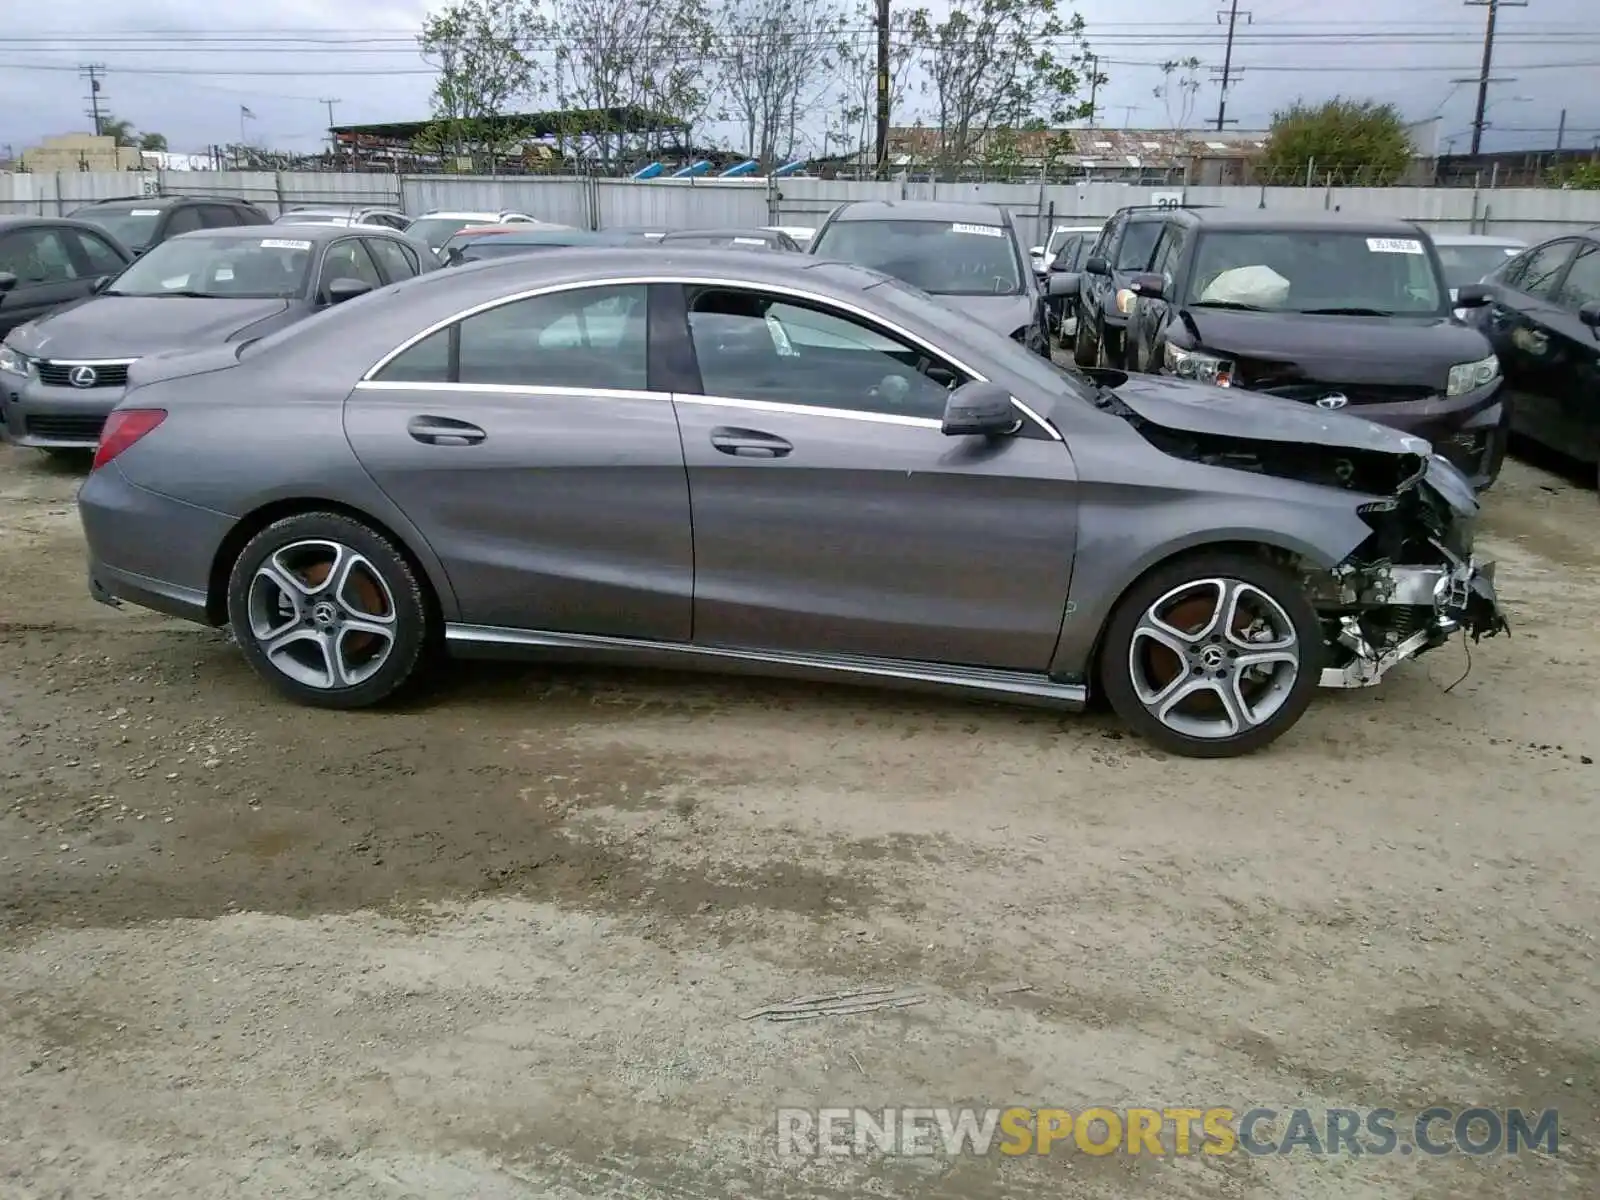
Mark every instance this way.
x=123 y=428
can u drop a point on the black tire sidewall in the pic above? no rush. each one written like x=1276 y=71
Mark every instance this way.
x=1271 y=579
x=414 y=623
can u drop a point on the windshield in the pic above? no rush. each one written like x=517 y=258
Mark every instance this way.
x=940 y=257
x=1315 y=271
x=1138 y=243
x=436 y=231
x=232 y=267
x=133 y=227
x=1469 y=264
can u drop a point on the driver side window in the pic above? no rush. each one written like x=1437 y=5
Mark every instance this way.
x=755 y=347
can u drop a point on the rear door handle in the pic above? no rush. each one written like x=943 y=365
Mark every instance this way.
x=444 y=431
x=749 y=443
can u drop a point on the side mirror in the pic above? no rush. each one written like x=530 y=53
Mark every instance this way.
x=341 y=290
x=1153 y=287
x=980 y=408
x=1065 y=283
x=7 y=282
x=1097 y=265
x=1589 y=314
x=1473 y=295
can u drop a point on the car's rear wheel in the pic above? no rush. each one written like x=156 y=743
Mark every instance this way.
x=329 y=611
x=1213 y=655
x=1084 y=350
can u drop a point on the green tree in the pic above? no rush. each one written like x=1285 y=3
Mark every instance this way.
x=855 y=121
x=656 y=55
x=777 y=63
x=1353 y=139
x=1581 y=176
x=481 y=50
x=994 y=64
x=120 y=131
x=153 y=141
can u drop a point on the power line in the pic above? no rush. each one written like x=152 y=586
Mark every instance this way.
x=1484 y=79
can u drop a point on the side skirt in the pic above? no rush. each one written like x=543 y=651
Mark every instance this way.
x=1017 y=687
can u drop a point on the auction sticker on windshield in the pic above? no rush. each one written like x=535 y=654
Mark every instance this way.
x=144 y=212
x=284 y=244
x=983 y=230
x=1394 y=245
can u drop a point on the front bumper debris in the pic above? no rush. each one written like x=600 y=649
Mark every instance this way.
x=1462 y=599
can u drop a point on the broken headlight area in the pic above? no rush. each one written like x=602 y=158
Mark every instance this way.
x=1410 y=586
x=1378 y=473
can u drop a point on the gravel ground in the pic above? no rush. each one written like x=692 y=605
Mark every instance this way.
x=498 y=945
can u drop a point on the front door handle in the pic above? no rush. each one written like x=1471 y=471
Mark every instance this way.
x=444 y=431
x=749 y=443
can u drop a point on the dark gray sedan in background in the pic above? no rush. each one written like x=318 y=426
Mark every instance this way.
x=62 y=373
x=759 y=463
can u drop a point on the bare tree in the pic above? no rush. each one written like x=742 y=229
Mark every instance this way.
x=650 y=55
x=853 y=123
x=777 y=59
x=1000 y=64
x=480 y=49
x=1178 y=91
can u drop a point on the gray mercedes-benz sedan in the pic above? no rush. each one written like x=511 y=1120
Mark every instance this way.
x=63 y=372
x=776 y=465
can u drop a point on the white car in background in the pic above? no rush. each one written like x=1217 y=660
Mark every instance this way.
x=1468 y=257
x=802 y=234
x=1043 y=256
x=437 y=228
x=343 y=214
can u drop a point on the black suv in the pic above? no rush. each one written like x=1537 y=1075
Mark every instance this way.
x=1345 y=312
x=139 y=222
x=1543 y=320
x=1122 y=251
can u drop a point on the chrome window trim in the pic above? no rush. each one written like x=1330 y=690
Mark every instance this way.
x=509 y=389
x=808 y=410
x=646 y=280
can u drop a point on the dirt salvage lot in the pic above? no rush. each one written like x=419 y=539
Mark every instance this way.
x=498 y=945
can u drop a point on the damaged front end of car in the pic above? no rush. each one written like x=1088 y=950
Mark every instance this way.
x=1410 y=586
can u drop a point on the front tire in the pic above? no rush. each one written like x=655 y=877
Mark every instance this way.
x=1213 y=655
x=1085 y=352
x=330 y=612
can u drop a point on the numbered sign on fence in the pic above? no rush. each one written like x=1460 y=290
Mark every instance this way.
x=1166 y=199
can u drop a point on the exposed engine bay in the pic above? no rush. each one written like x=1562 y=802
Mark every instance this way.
x=1409 y=586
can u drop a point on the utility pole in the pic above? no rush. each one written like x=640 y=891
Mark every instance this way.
x=333 y=142
x=1094 y=87
x=1484 y=79
x=92 y=72
x=1561 y=130
x=1227 y=77
x=883 y=89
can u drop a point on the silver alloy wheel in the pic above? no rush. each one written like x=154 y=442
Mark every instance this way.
x=322 y=614
x=1214 y=658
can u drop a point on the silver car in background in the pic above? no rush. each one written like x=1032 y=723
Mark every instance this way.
x=768 y=464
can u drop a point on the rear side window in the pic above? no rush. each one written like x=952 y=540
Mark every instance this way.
x=1536 y=271
x=1582 y=284
x=585 y=338
x=217 y=216
x=396 y=260
x=182 y=220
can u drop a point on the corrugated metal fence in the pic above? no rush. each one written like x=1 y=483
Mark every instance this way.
x=1528 y=213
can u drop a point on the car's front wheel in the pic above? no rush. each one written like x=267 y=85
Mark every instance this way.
x=1084 y=350
x=329 y=611
x=1212 y=655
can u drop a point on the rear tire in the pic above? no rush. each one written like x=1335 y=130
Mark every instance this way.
x=330 y=612
x=1213 y=655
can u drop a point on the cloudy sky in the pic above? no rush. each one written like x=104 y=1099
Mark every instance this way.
x=184 y=67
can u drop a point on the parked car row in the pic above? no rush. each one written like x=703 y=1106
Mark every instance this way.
x=1457 y=339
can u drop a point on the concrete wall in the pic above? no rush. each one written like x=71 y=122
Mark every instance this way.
x=1529 y=213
